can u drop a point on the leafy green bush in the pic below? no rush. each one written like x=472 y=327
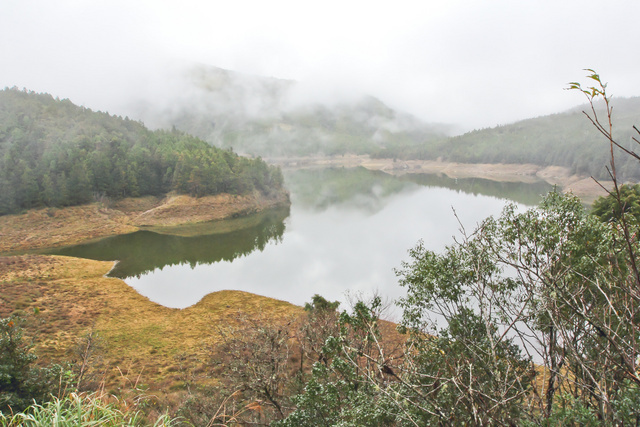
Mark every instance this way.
x=348 y=385
x=609 y=208
x=22 y=383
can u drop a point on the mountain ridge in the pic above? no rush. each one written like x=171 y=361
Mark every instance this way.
x=270 y=117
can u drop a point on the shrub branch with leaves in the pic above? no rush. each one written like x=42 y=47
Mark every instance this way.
x=21 y=382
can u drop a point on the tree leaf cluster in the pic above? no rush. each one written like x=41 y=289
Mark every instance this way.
x=21 y=381
x=608 y=208
x=345 y=384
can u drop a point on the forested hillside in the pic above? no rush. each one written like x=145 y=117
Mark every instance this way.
x=566 y=139
x=54 y=153
x=275 y=117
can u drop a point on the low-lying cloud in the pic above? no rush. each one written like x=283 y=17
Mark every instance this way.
x=461 y=62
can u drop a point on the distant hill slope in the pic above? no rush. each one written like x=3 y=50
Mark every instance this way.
x=54 y=153
x=274 y=117
x=566 y=139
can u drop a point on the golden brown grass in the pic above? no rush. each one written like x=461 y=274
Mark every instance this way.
x=141 y=339
x=49 y=227
x=181 y=209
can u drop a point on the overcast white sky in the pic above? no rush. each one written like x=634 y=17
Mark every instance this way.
x=477 y=63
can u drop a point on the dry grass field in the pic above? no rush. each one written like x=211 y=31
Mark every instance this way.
x=50 y=227
x=141 y=343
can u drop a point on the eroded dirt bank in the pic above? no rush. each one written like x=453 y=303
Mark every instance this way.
x=582 y=186
x=50 y=227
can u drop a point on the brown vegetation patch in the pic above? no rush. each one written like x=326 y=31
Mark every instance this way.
x=50 y=227
x=41 y=228
x=180 y=209
x=136 y=205
x=65 y=298
x=144 y=347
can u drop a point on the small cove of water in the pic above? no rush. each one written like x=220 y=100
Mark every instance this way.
x=346 y=231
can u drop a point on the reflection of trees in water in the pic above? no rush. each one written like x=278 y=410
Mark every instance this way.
x=528 y=194
x=144 y=251
x=319 y=189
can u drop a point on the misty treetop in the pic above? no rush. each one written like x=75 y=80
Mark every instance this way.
x=273 y=117
x=564 y=139
x=54 y=153
x=257 y=115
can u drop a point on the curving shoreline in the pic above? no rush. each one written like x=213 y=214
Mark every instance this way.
x=52 y=227
x=582 y=186
x=72 y=297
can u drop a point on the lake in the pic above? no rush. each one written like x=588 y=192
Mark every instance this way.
x=343 y=236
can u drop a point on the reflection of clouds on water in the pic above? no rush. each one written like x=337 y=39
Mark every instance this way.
x=330 y=253
x=363 y=189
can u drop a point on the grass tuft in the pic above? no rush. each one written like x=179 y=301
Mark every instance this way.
x=82 y=411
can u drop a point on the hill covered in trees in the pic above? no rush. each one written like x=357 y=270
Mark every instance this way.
x=566 y=139
x=279 y=118
x=55 y=153
x=276 y=117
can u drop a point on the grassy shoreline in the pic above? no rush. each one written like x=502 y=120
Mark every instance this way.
x=64 y=298
x=53 y=227
x=144 y=345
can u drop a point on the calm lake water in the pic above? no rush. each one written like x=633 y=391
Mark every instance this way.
x=346 y=231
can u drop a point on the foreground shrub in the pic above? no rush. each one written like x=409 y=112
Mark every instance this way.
x=21 y=382
x=79 y=410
